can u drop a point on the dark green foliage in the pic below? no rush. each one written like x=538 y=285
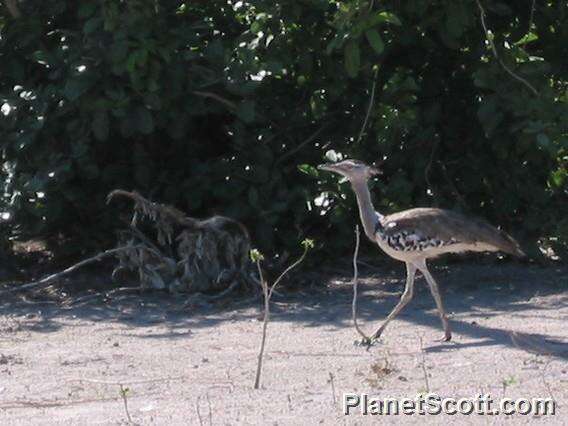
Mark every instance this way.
x=167 y=98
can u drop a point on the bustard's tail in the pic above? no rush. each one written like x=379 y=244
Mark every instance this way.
x=497 y=238
x=510 y=246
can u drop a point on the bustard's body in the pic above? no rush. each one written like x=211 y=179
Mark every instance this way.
x=420 y=233
x=416 y=235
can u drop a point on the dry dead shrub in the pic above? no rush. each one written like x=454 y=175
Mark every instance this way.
x=182 y=254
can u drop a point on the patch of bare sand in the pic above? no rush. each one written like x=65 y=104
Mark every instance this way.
x=196 y=365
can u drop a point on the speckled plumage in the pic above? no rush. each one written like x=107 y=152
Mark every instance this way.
x=416 y=235
x=423 y=229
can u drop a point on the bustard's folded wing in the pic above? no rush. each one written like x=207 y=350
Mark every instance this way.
x=448 y=228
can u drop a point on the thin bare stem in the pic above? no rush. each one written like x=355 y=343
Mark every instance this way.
x=428 y=168
x=288 y=269
x=355 y=283
x=198 y=410
x=301 y=145
x=489 y=38
x=531 y=18
x=210 y=410
x=70 y=269
x=264 y=325
x=545 y=382
x=423 y=365
x=124 y=393
x=332 y=383
x=220 y=99
x=369 y=109
x=267 y=292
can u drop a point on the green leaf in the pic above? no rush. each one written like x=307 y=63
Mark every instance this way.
x=352 y=57
x=308 y=244
x=256 y=27
x=387 y=17
x=308 y=169
x=526 y=39
x=100 y=126
x=558 y=178
x=375 y=40
x=256 y=255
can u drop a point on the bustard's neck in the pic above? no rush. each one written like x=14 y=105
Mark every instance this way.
x=367 y=212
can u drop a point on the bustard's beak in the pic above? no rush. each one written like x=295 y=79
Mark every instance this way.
x=374 y=171
x=326 y=167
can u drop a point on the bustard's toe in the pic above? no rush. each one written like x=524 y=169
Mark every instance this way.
x=365 y=342
x=377 y=334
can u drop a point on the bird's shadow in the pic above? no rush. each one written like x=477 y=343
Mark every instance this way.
x=486 y=294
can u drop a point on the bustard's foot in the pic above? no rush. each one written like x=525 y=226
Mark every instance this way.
x=365 y=342
x=447 y=337
x=377 y=334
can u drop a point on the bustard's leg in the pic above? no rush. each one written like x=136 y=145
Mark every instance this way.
x=406 y=297
x=434 y=289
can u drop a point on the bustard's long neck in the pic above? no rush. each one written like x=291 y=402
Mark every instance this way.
x=367 y=212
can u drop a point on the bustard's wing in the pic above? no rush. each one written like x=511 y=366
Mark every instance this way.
x=449 y=228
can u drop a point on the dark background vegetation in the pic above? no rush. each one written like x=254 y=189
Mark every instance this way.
x=226 y=107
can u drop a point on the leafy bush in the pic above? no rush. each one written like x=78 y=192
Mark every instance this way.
x=225 y=108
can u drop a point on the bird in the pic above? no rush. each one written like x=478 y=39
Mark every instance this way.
x=417 y=235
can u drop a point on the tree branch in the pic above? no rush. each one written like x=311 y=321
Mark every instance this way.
x=226 y=102
x=12 y=6
x=489 y=37
x=302 y=144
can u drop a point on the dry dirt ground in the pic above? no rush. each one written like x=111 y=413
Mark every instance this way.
x=195 y=364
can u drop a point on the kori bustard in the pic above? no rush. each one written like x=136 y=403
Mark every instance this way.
x=416 y=235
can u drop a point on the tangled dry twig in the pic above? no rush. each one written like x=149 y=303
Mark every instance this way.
x=183 y=254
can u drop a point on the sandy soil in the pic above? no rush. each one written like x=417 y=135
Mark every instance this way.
x=195 y=364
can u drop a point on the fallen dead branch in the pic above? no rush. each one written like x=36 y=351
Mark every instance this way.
x=177 y=253
x=56 y=276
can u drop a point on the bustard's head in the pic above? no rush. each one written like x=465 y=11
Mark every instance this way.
x=351 y=169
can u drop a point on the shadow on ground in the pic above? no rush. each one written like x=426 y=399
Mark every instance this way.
x=475 y=291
